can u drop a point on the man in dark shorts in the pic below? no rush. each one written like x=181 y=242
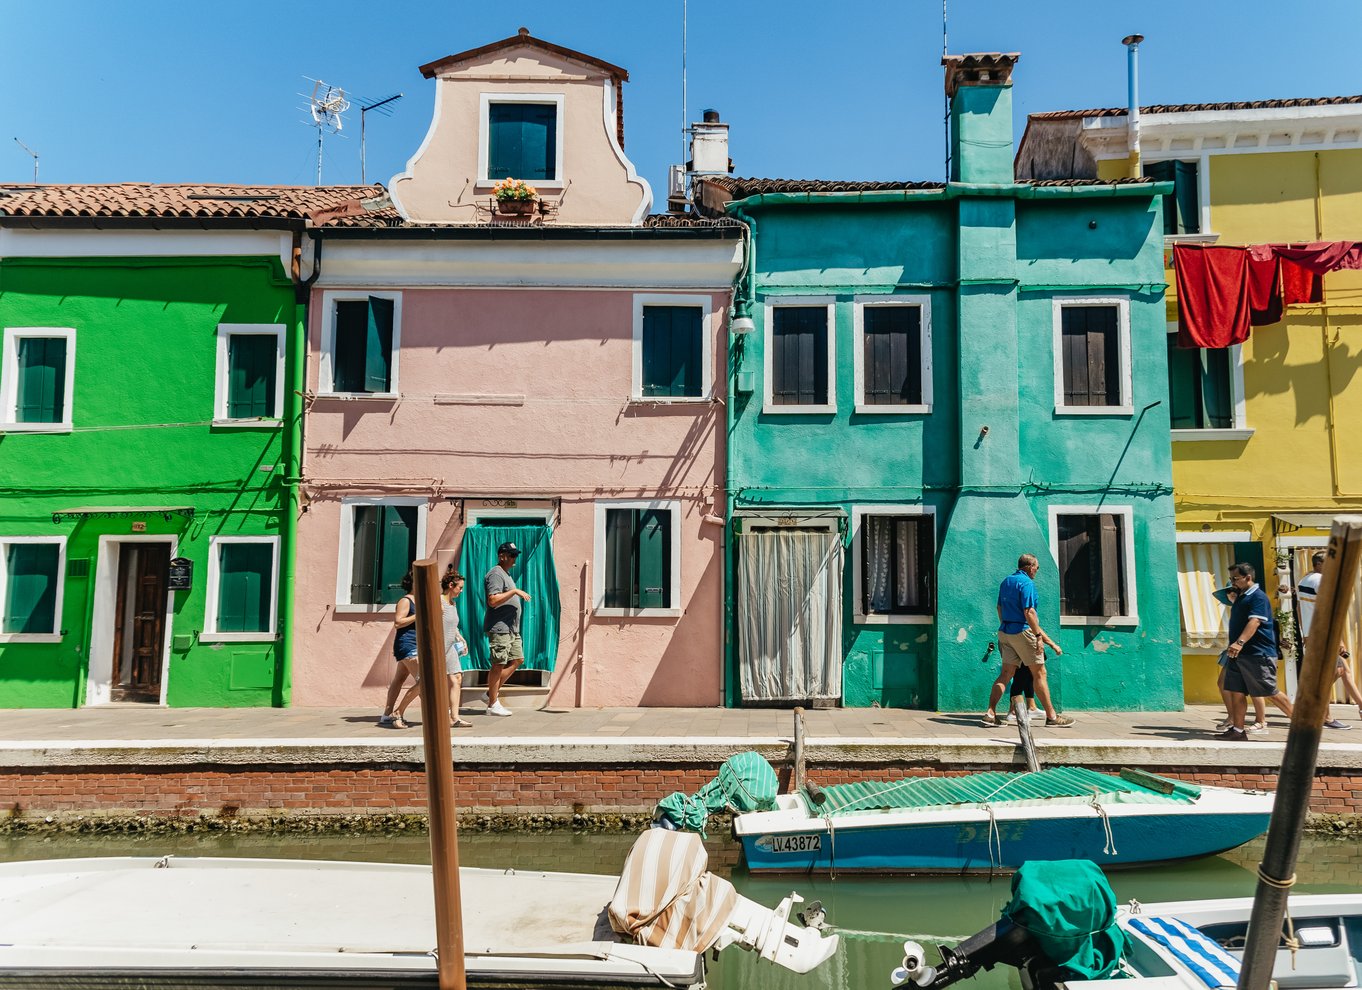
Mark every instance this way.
x=1251 y=670
x=502 y=625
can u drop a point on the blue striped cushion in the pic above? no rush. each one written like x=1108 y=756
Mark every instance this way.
x=1203 y=956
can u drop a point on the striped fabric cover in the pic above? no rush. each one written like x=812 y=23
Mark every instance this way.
x=1201 y=570
x=1212 y=965
x=665 y=897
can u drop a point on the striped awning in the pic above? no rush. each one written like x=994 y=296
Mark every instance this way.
x=1201 y=571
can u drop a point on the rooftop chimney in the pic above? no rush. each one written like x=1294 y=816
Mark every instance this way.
x=980 y=91
x=708 y=156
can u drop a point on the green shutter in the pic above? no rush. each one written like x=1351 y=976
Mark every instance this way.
x=31 y=588
x=654 y=560
x=41 y=394
x=396 y=550
x=1184 y=386
x=522 y=141
x=251 y=366
x=378 y=345
x=1187 y=196
x=245 y=587
x=364 y=555
x=348 y=358
x=672 y=350
x=1215 y=388
x=619 y=558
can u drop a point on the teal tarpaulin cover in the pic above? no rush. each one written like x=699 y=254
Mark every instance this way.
x=534 y=573
x=1069 y=907
x=746 y=782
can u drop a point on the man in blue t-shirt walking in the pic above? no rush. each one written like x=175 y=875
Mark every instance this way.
x=1022 y=642
x=1251 y=668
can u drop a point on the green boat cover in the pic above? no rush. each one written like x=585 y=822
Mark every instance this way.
x=746 y=782
x=1069 y=908
x=1057 y=785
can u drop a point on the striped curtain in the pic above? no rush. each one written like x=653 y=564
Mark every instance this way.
x=1300 y=566
x=1202 y=569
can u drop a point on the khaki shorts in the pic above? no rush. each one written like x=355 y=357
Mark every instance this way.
x=505 y=647
x=1019 y=649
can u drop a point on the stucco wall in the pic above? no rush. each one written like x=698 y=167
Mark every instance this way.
x=544 y=414
x=146 y=347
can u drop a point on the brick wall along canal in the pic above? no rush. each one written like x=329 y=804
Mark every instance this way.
x=926 y=909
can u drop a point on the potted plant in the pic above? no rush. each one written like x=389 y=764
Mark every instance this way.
x=515 y=197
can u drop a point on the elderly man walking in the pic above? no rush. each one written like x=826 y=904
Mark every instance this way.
x=1022 y=642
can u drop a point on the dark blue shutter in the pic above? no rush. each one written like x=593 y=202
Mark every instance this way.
x=41 y=393
x=251 y=366
x=799 y=358
x=378 y=345
x=30 y=588
x=245 y=586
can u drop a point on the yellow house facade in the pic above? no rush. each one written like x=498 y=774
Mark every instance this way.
x=1267 y=437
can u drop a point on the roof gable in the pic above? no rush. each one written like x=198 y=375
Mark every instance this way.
x=522 y=39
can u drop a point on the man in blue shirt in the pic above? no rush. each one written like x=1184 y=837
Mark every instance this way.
x=1022 y=642
x=1251 y=670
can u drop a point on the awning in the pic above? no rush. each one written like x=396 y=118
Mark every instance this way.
x=114 y=511
x=1307 y=520
x=1201 y=571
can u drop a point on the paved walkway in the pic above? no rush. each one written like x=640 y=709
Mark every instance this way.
x=138 y=735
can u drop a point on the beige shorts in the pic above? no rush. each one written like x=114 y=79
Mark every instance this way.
x=505 y=648
x=1019 y=649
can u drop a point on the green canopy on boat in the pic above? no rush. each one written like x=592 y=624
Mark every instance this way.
x=1070 y=909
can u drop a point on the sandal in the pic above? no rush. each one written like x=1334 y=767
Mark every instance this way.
x=399 y=722
x=990 y=719
x=460 y=723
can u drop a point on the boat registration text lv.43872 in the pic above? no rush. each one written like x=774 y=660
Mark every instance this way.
x=791 y=843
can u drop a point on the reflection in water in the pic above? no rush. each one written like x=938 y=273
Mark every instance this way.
x=875 y=914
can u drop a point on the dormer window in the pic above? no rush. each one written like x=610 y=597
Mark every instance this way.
x=522 y=137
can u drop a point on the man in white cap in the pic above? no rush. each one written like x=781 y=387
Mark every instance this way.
x=502 y=625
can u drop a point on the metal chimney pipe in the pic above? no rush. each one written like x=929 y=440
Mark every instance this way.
x=1132 y=43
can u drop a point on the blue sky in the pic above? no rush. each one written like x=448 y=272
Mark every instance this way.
x=146 y=90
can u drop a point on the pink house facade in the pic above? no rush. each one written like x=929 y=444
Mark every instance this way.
x=556 y=378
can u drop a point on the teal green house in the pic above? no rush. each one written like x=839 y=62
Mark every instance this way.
x=150 y=422
x=935 y=379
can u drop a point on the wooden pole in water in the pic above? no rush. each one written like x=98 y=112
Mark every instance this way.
x=1277 y=872
x=797 y=775
x=444 y=829
x=1023 y=718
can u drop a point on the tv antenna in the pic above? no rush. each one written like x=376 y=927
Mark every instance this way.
x=326 y=104
x=35 y=158
x=383 y=106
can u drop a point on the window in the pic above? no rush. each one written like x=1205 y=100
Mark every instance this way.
x=1205 y=392
x=1181 y=207
x=360 y=343
x=31 y=587
x=37 y=373
x=1092 y=356
x=522 y=138
x=671 y=347
x=1095 y=550
x=638 y=567
x=380 y=538
x=242 y=577
x=800 y=358
x=894 y=556
x=250 y=372
x=893 y=354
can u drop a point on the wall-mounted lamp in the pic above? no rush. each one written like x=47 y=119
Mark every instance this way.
x=740 y=321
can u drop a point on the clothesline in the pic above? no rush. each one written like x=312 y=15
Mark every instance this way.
x=1224 y=291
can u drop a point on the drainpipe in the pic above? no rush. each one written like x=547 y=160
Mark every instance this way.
x=1132 y=43
x=744 y=294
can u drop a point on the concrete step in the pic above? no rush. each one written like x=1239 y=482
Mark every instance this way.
x=513 y=696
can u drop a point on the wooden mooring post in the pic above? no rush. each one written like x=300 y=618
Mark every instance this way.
x=797 y=775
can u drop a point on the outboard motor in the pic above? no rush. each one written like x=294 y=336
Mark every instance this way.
x=1060 y=925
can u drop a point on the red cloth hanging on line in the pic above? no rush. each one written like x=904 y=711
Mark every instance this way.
x=1213 y=295
x=1265 y=300
x=1319 y=257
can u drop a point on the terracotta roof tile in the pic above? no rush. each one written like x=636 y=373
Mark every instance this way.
x=1323 y=101
x=189 y=201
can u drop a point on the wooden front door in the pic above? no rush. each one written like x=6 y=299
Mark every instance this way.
x=140 y=620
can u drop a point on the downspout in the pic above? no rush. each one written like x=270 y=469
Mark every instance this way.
x=1132 y=43
x=744 y=295
x=293 y=452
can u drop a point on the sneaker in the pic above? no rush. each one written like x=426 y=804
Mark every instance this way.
x=1233 y=735
x=1334 y=723
x=1256 y=727
x=1036 y=713
x=499 y=709
x=991 y=720
x=1059 y=722
x=385 y=720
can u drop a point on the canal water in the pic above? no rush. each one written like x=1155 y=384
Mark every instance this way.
x=876 y=915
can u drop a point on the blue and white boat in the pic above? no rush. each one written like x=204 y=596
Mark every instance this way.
x=995 y=821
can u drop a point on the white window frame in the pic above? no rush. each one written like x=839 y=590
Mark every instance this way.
x=858 y=515
x=9 y=379
x=1127 y=513
x=924 y=305
x=346 y=547
x=485 y=100
x=326 y=372
x=768 y=347
x=673 y=609
x=55 y=636
x=705 y=304
x=1238 y=400
x=225 y=332
x=210 y=632
x=1126 y=407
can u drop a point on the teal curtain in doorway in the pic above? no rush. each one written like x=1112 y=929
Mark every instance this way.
x=534 y=573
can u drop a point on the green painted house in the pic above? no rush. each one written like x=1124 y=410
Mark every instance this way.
x=150 y=417
x=938 y=378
